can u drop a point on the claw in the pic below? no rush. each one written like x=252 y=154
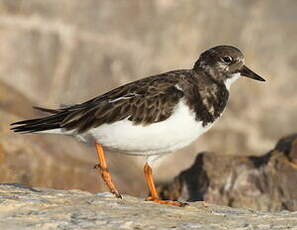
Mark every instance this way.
x=168 y=202
x=117 y=194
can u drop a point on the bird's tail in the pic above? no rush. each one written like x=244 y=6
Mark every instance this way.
x=43 y=124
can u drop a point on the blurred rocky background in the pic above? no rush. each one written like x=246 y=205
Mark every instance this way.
x=267 y=182
x=56 y=52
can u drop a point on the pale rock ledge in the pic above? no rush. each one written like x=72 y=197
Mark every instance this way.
x=35 y=208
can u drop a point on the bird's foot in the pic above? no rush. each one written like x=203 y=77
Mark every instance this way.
x=168 y=202
x=117 y=194
x=107 y=179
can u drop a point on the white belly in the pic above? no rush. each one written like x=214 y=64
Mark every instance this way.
x=176 y=132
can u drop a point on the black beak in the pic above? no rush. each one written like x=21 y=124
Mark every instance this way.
x=246 y=72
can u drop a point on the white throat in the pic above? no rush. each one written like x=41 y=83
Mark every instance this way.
x=231 y=80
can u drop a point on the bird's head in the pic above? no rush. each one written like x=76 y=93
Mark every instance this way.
x=225 y=64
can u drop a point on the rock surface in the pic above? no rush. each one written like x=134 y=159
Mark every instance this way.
x=34 y=208
x=57 y=52
x=268 y=182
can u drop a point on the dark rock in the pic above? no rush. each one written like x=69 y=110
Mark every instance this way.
x=267 y=182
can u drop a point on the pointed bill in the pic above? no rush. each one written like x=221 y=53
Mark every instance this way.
x=246 y=72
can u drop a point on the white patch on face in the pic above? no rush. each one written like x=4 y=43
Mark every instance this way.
x=230 y=81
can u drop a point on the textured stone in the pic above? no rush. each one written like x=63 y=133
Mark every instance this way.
x=36 y=208
x=59 y=52
x=267 y=182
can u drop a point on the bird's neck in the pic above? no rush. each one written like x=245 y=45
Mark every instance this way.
x=211 y=74
x=206 y=98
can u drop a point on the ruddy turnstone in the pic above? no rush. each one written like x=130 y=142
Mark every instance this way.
x=153 y=116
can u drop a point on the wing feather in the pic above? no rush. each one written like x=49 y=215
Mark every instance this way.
x=142 y=103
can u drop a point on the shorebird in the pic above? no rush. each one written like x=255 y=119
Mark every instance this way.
x=153 y=116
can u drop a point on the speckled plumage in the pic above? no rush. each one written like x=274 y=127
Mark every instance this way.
x=152 y=116
x=152 y=100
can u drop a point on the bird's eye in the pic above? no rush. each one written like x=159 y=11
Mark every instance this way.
x=227 y=59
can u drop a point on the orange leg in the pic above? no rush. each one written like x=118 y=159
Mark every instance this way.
x=153 y=192
x=104 y=171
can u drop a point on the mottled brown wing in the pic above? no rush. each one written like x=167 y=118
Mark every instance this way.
x=142 y=102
